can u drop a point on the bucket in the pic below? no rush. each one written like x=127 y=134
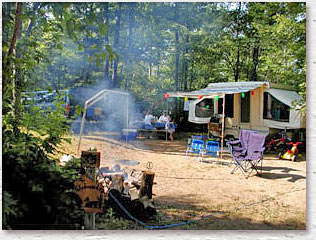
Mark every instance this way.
x=129 y=134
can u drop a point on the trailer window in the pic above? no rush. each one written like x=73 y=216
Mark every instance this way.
x=274 y=109
x=205 y=108
x=229 y=105
x=245 y=107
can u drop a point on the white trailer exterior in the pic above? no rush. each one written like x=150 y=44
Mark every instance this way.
x=270 y=106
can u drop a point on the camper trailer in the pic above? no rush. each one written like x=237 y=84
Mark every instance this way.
x=259 y=106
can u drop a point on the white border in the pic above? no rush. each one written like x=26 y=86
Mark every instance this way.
x=309 y=234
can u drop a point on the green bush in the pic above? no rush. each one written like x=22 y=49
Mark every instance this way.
x=37 y=191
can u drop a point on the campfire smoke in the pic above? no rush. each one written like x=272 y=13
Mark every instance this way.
x=111 y=113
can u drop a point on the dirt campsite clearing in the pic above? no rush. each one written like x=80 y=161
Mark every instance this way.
x=187 y=189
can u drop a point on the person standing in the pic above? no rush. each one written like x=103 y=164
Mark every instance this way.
x=170 y=126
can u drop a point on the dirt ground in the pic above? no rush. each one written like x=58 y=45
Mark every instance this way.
x=187 y=189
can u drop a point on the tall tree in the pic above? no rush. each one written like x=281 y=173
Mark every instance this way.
x=116 y=44
x=9 y=61
x=106 y=41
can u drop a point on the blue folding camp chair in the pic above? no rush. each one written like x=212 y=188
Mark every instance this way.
x=196 y=147
x=211 y=148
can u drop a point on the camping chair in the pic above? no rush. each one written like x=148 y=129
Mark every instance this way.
x=211 y=148
x=253 y=156
x=239 y=147
x=196 y=146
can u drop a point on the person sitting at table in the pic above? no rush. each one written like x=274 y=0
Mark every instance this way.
x=164 y=117
x=149 y=121
x=161 y=124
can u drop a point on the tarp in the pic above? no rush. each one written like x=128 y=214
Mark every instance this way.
x=220 y=89
x=288 y=98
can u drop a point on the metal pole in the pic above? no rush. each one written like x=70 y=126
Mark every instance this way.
x=208 y=129
x=127 y=113
x=223 y=123
x=167 y=115
x=81 y=127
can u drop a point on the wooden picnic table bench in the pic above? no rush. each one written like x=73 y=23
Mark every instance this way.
x=144 y=131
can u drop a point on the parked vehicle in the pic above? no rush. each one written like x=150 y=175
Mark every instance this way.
x=277 y=142
x=46 y=100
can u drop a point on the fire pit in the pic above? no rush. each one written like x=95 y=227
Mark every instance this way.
x=126 y=191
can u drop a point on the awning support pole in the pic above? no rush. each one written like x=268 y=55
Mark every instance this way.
x=127 y=112
x=223 y=124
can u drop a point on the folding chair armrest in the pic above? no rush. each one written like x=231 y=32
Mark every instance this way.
x=239 y=149
x=235 y=142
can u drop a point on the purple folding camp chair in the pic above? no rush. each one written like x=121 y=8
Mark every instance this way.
x=239 y=147
x=253 y=156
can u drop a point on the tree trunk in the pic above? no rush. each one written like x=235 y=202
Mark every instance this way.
x=17 y=82
x=149 y=71
x=130 y=43
x=7 y=71
x=30 y=26
x=236 y=72
x=237 y=69
x=106 y=41
x=284 y=63
x=116 y=44
x=176 y=73
x=176 y=67
x=186 y=51
x=255 y=58
x=6 y=18
x=185 y=66
x=191 y=72
x=85 y=59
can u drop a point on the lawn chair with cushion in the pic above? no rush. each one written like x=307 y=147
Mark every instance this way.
x=211 y=148
x=196 y=147
x=253 y=156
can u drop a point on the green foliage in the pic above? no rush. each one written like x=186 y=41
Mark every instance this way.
x=217 y=42
x=10 y=211
x=34 y=183
x=109 y=221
